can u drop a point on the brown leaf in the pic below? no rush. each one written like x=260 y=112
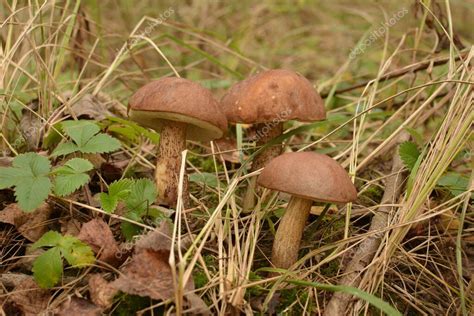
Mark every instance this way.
x=29 y=298
x=227 y=147
x=195 y=305
x=87 y=107
x=97 y=234
x=30 y=225
x=70 y=226
x=101 y=291
x=148 y=274
x=32 y=129
x=75 y=306
x=158 y=239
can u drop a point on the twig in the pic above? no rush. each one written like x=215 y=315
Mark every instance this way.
x=367 y=249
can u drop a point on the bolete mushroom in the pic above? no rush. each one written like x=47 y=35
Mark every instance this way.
x=269 y=99
x=307 y=177
x=178 y=109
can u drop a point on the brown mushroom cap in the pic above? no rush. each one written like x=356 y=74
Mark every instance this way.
x=181 y=100
x=273 y=95
x=310 y=176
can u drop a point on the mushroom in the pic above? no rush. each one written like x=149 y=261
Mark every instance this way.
x=307 y=177
x=269 y=99
x=178 y=109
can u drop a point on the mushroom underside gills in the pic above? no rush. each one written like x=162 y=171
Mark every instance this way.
x=168 y=164
x=264 y=133
x=289 y=233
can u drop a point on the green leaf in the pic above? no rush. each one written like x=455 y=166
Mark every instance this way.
x=8 y=177
x=71 y=176
x=205 y=178
x=48 y=268
x=409 y=154
x=49 y=239
x=130 y=230
x=29 y=176
x=65 y=149
x=142 y=195
x=131 y=130
x=456 y=183
x=86 y=139
x=80 y=131
x=76 y=252
x=100 y=143
x=108 y=202
x=118 y=191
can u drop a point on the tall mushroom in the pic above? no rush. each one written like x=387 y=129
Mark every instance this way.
x=269 y=99
x=308 y=177
x=178 y=109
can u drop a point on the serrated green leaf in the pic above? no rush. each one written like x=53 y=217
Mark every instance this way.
x=48 y=268
x=205 y=178
x=49 y=239
x=131 y=130
x=75 y=166
x=8 y=177
x=108 y=202
x=100 y=143
x=29 y=176
x=71 y=176
x=409 y=154
x=86 y=139
x=30 y=194
x=118 y=191
x=78 y=254
x=65 y=149
x=130 y=230
x=80 y=131
x=67 y=184
x=142 y=195
x=121 y=187
x=456 y=183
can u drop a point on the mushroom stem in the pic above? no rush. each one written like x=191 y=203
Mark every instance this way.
x=289 y=233
x=264 y=133
x=168 y=164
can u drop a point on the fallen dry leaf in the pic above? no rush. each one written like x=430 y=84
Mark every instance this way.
x=148 y=274
x=101 y=291
x=31 y=127
x=70 y=226
x=90 y=107
x=75 y=306
x=29 y=298
x=97 y=234
x=158 y=239
x=30 y=225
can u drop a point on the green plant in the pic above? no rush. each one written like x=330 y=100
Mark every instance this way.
x=32 y=178
x=86 y=138
x=48 y=267
x=137 y=196
x=409 y=154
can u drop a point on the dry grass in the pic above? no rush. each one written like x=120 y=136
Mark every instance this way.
x=421 y=267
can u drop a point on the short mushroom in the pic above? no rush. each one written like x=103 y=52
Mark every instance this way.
x=178 y=109
x=269 y=99
x=307 y=177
